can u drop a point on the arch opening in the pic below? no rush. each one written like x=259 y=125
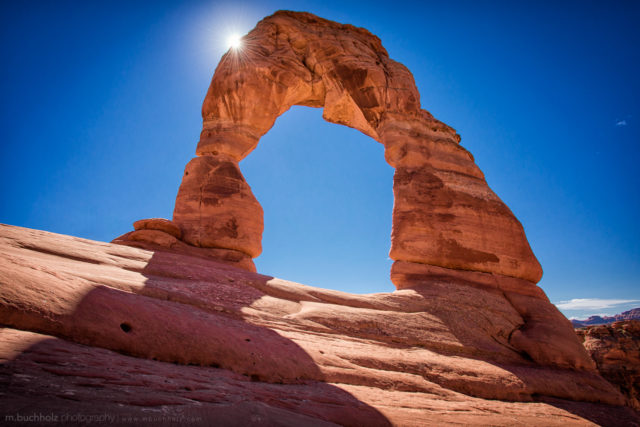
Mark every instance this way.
x=327 y=197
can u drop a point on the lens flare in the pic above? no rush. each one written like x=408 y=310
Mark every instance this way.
x=234 y=41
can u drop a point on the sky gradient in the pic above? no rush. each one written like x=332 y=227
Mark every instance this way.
x=101 y=112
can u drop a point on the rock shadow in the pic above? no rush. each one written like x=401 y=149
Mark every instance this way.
x=469 y=310
x=189 y=312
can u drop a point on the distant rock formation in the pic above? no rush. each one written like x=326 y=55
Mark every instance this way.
x=633 y=314
x=616 y=350
x=93 y=328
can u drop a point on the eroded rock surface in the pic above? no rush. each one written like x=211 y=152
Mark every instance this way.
x=444 y=214
x=91 y=326
x=616 y=350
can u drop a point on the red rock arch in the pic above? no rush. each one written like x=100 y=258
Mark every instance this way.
x=445 y=216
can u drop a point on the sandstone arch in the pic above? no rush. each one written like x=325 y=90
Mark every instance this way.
x=450 y=232
x=445 y=216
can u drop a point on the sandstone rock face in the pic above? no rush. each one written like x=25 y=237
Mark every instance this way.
x=616 y=350
x=216 y=209
x=158 y=239
x=94 y=328
x=159 y=224
x=444 y=213
x=214 y=189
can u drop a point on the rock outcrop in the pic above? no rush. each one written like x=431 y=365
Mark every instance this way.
x=444 y=215
x=168 y=338
x=616 y=350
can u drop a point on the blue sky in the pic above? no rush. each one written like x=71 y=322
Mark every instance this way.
x=101 y=112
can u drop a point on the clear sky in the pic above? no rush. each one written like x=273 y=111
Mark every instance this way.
x=101 y=112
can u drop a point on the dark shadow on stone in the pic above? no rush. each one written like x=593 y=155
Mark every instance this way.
x=59 y=382
x=563 y=388
x=190 y=312
x=600 y=414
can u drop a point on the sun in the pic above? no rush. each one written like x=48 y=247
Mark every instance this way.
x=234 y=41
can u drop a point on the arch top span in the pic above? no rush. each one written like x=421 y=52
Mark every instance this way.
x=296 y=58
x=446 y=219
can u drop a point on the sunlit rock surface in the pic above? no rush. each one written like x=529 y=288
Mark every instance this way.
x=444 y=213
x=93 y=327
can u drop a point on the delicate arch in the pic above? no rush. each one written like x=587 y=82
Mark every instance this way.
x=445 y=217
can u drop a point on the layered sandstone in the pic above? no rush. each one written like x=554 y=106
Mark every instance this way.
x=444 y=214
x=91 y=327
x=616 y=350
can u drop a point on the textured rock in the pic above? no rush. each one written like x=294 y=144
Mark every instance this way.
x=41 y=374
x=159 y=224
x=467 y=337
x=267 y=348
x=216 y=215
x=156 y=239
x=444 y=213
x=214 y=189
x=616 y=350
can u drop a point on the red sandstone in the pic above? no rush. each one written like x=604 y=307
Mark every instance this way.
x=75 y=311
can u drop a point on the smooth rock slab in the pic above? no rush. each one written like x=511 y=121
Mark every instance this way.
x=41 y=374
x=438 y=350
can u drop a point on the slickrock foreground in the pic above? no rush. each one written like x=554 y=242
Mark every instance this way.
x=616 y=351
x=99 y=328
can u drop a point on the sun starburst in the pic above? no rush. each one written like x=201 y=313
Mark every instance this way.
x=234 y=41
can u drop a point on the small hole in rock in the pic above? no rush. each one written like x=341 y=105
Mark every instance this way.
x=247 y=340
x=125 y=327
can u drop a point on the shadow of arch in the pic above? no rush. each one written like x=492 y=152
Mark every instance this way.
x=186 y=311
x=165 y=305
